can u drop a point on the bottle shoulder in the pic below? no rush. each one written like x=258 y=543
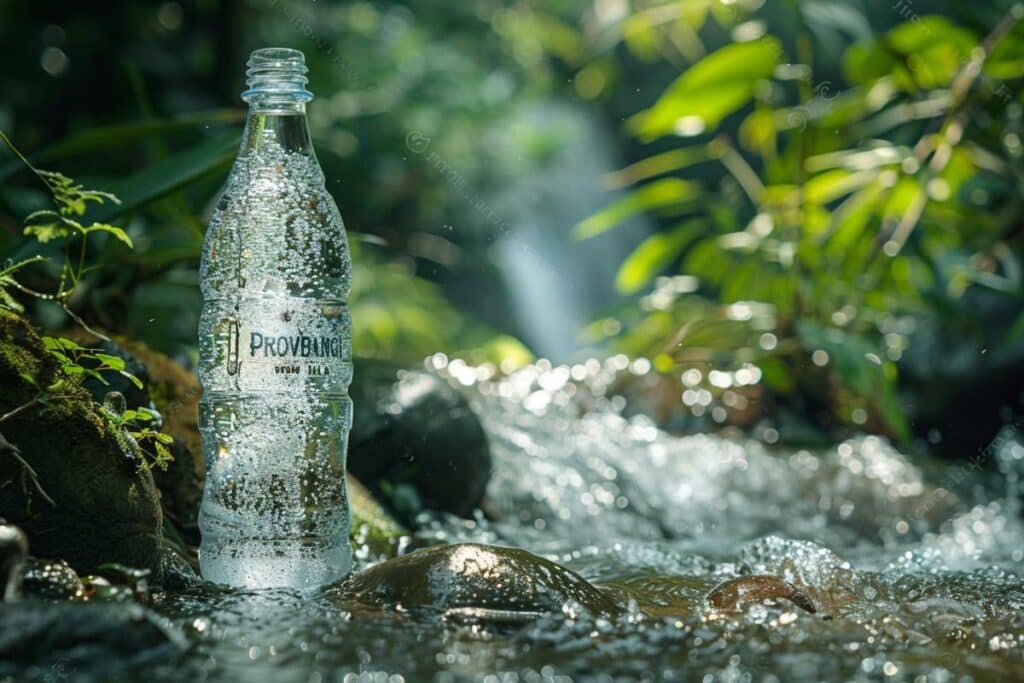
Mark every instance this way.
x=275 y=227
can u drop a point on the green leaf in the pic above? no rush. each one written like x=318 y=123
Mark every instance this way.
x=656 y=165
x=659 y=194
x=112 y=362
x=86 y=371
x=113 y=230
x=70 y=345
x=925 y=52
x=170 y=174
x=103 y=139
x=640 y=37
x=710 y=90
x=831 y=185
x=652 y=255
x=132 y=378
x=47 y=232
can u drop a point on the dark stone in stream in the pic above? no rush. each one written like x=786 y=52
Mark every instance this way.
x=412 y=429
x=51 y=580
x=98 y=639
x=75 y=487
x=477 y=583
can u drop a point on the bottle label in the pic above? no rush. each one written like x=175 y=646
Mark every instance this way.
x=279 y=343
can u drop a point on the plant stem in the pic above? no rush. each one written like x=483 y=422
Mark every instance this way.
x=20 y=409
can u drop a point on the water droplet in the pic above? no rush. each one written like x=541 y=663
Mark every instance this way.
x=114 y=403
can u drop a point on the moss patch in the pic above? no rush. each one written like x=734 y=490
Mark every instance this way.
x=105 y=509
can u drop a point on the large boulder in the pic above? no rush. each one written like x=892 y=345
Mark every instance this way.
x=412 y=432
x=477 y=583
x=71 y=481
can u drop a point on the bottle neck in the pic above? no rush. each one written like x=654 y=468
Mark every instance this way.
x=277 y=99
x=284 y=128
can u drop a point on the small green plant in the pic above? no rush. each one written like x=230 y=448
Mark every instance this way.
x=152 y=443
x=60 y=223
x=79 y=363
x=71 y=355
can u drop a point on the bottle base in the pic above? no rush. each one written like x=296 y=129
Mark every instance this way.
x=274 y=564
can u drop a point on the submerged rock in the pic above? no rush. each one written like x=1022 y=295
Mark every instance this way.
x=413 y=430
x=478 y=583
x=75 y=487
x=737 y=594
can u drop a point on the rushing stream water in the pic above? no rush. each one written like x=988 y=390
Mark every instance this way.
x=917 y=575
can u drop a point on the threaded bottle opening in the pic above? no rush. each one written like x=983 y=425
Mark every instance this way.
x=278 y=74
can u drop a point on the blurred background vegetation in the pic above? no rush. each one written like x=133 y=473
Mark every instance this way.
x=802 y=218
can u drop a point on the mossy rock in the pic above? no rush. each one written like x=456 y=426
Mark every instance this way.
x=104 y=507
x=174 y=392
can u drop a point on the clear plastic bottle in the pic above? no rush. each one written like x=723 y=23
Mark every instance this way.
x=275 y=352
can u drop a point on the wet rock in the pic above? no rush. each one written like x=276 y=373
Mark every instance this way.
x=75 y=488
x=134 y=581
x=13 y=549
x=736 y=594
x=69 y=639
x=413 y=432
x=51 y=580
x=478 y=583
x=177 y=573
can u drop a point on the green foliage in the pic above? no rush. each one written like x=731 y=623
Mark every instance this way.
x=70 y=200
x=840 y=213
x=152 y=443
x=80 y=363
x=709 y=91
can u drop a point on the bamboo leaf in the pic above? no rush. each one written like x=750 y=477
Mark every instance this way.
x=652 y=255
x=170 y=174
x=659 y=194
x=710 y=90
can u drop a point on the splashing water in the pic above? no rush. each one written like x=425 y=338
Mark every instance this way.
x=913 y=577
